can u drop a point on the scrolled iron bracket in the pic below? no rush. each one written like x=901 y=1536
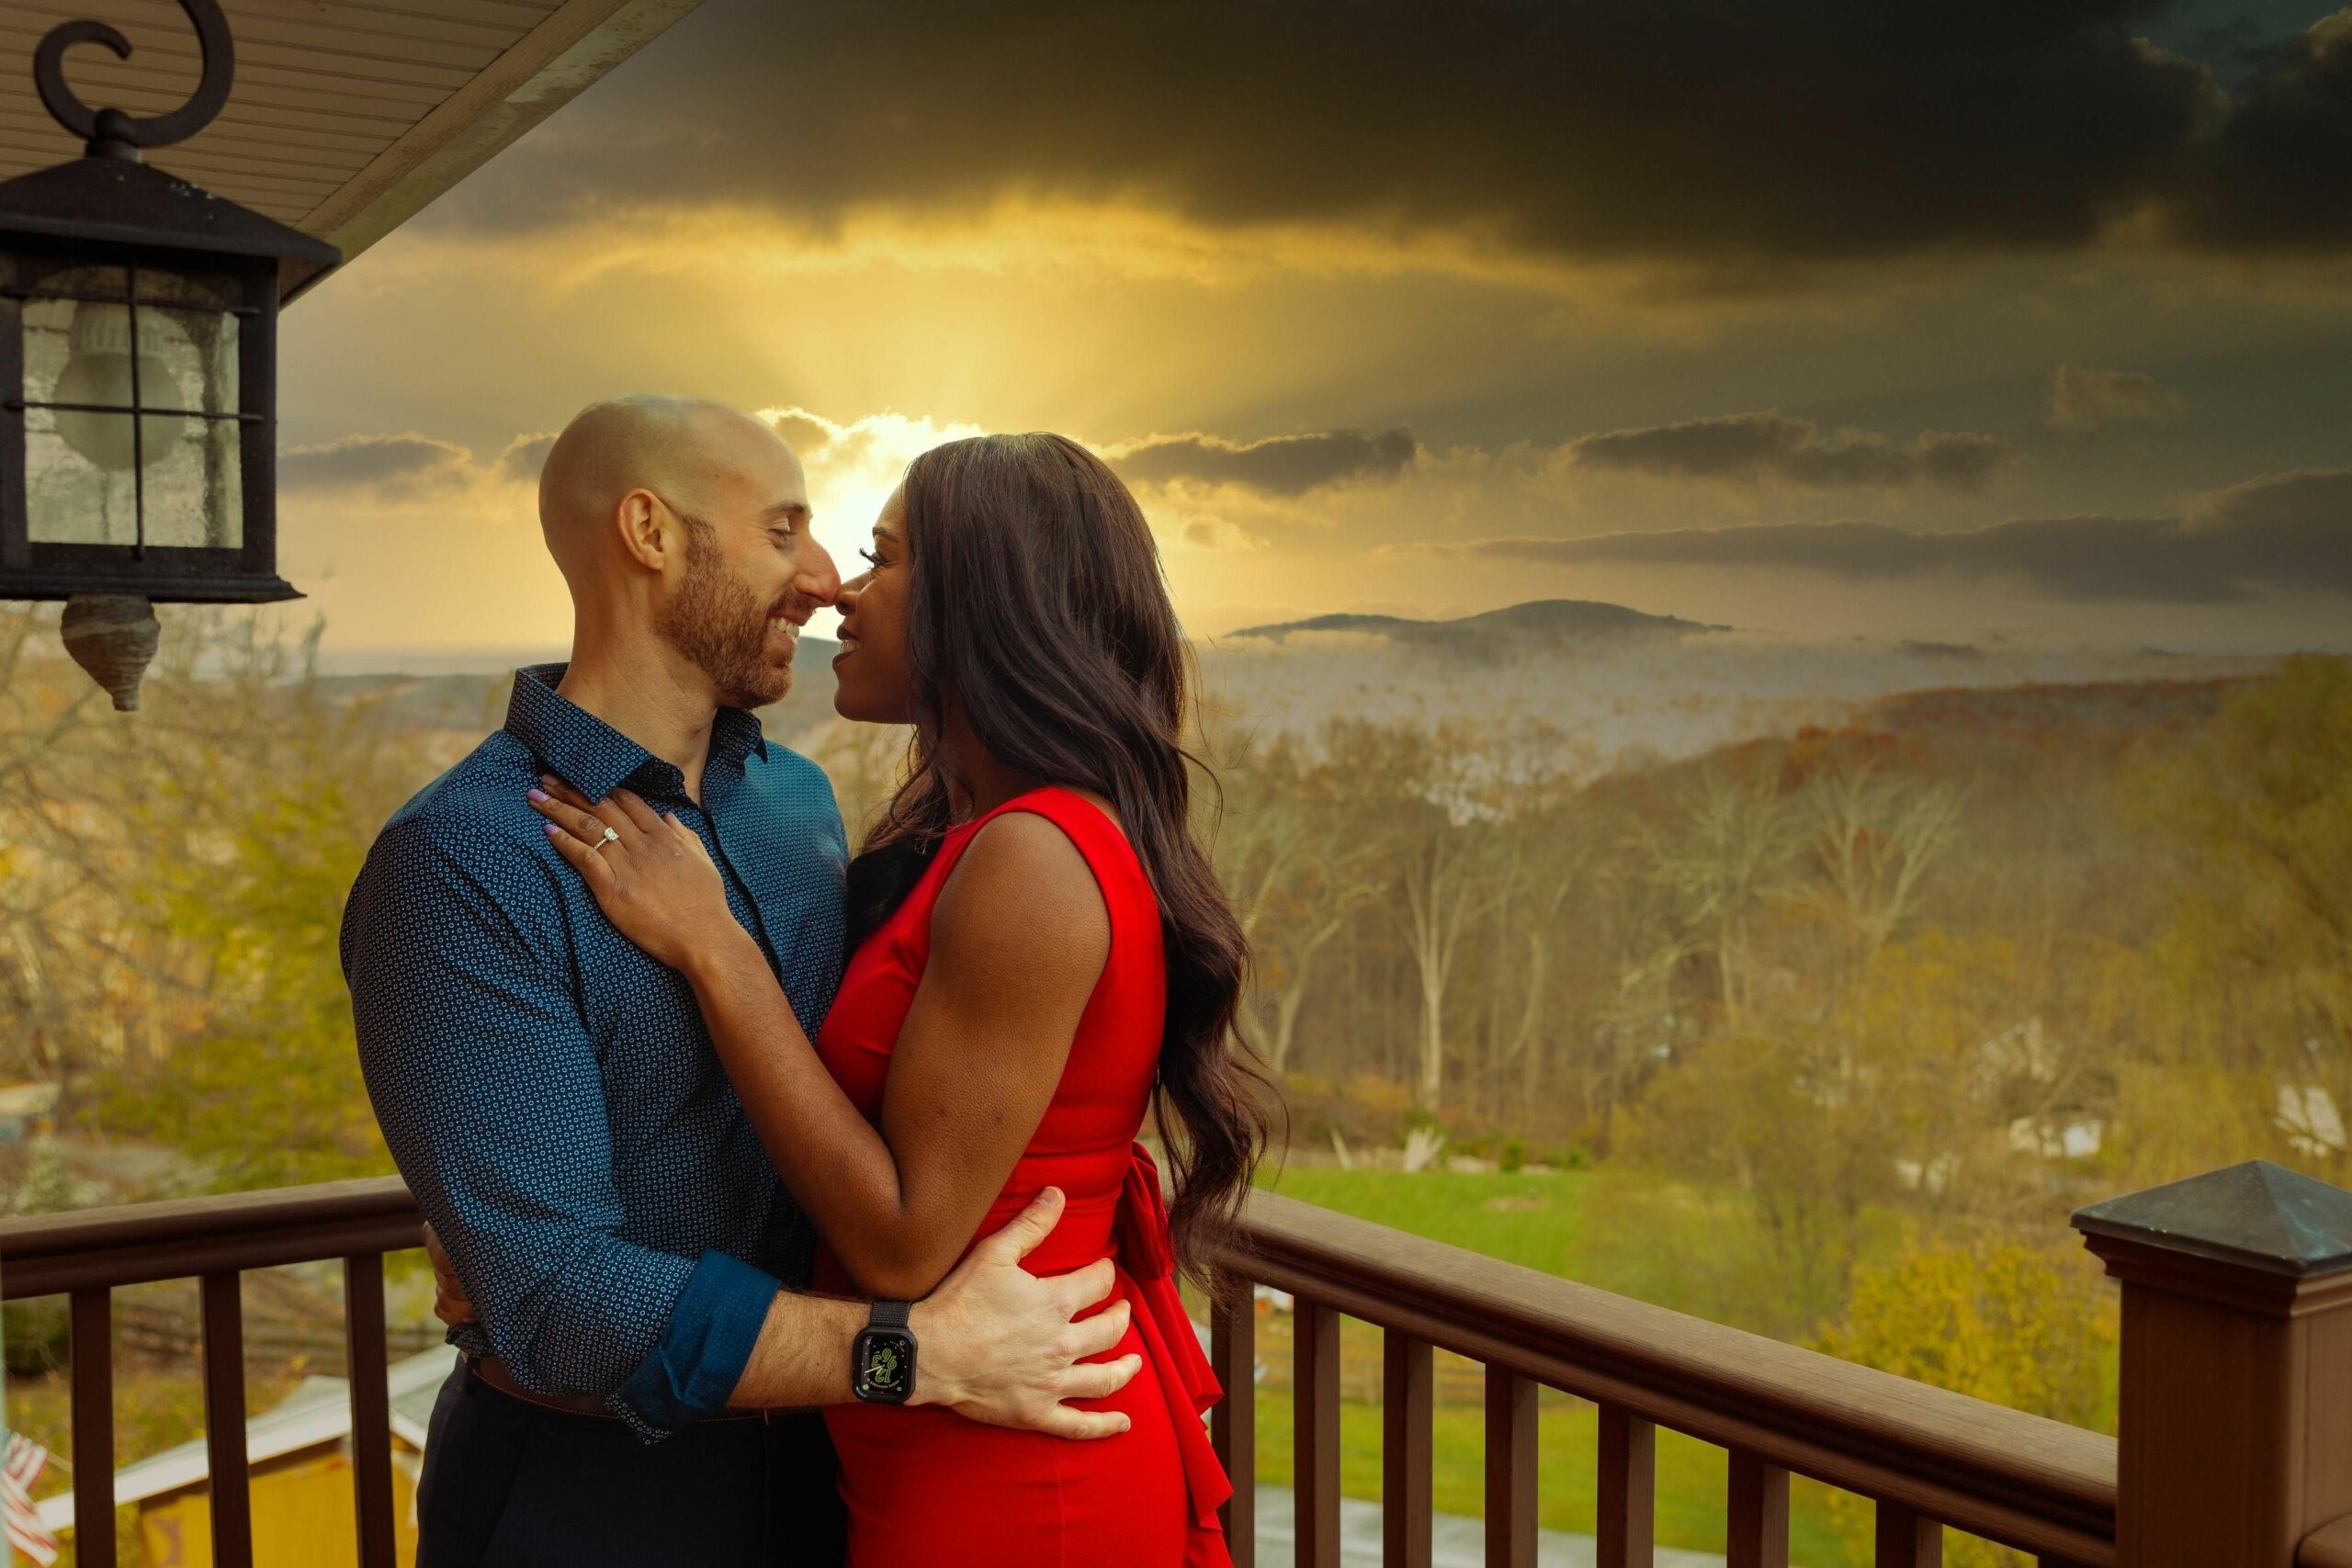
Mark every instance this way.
x=110 y=132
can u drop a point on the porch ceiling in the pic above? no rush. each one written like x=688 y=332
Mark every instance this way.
x=348 y=116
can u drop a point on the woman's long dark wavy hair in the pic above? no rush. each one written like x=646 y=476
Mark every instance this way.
x=1035 y=604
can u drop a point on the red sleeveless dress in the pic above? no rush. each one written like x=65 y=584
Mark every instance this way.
x=927 y=1487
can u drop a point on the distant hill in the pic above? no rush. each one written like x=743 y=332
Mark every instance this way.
x=1551 y=623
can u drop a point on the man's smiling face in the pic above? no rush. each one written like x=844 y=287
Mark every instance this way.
x=754 y=571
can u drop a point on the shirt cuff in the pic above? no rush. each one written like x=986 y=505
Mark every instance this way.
x=703 y=1349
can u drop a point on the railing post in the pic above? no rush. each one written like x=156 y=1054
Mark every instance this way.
x=220 y=1302
x=1407 y=1388
x=1315 y=1433
x=93 y=1350
x=1907 y=1540
x=2237 y=1393
x=1626 y=1522
x=367 y=1360
x=1510 y=1469
x=1233 y=1424
x=1756 y=1524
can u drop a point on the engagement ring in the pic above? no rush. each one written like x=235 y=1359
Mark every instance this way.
x=612 y=836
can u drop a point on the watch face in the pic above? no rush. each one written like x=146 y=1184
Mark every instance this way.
x=886 y=1365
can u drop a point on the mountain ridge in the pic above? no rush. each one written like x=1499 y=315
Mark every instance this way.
x=1536 y=620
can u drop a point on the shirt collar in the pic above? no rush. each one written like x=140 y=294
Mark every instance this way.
x=591 y=755
x=735 y=735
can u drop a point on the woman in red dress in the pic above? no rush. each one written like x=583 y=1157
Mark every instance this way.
x=1042 y=957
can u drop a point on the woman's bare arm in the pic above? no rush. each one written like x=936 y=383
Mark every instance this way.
x=1018 y=940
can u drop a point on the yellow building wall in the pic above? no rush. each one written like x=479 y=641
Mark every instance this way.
x=304 y=1516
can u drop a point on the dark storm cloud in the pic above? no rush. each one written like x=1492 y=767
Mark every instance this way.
x=1748 y=447
x=2278 y=175
x=1281 y=465
x=1714 y=133
x=2286 y=531
x=389 y=464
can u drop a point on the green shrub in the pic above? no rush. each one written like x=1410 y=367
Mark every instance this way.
x=35 y=1335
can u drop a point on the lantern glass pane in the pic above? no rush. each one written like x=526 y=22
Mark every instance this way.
x=196 y=497
x=87 y=465
x=69 y=498
x=195 y=485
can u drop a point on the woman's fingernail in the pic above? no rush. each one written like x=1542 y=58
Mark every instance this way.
x=537 y=794
x=1126 y=1424
x=551 y=827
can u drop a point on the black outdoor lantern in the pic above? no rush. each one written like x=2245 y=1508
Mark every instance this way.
x=139 y=365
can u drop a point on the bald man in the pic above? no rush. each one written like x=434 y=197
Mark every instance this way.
x=553 y=1099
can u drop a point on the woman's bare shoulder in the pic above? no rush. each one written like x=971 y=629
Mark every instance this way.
x=1023 y=893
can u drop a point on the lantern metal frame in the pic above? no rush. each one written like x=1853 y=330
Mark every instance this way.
x=109 y=209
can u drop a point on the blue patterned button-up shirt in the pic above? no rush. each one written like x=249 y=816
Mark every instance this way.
x=552 y=1094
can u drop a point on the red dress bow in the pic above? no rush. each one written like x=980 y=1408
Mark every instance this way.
x=1147 y=1256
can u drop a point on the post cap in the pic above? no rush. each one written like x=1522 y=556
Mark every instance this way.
x=2255 y=1215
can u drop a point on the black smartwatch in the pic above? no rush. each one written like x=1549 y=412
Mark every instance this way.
x=882 y=1362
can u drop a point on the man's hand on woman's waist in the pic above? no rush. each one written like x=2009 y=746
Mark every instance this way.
x=998 y=1344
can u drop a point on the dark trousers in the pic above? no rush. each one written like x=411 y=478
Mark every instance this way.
x=511 y=1484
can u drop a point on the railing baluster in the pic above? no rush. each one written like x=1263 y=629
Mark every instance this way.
x=1233 y=1424
x=1510 y=1469
x=1756 y=1534
x=1315 y=1433
x=371 y=1407
x=224 y=1420
x=1627 y=1523
x=92 y=1348
x=1405 y=1410
x=1907 y=1540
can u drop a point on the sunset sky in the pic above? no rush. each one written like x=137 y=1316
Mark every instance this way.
x=1944 y=318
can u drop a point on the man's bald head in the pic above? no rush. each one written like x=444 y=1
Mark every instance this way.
x=682 y=529
x=695 y=455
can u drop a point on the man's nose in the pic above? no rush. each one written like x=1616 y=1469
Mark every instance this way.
x=817 y=578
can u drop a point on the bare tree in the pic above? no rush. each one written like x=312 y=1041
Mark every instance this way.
x=1874 y=840
x=1734 y=851
x=1548 y=866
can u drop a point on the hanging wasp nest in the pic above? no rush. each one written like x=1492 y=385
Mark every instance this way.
x=114 y=637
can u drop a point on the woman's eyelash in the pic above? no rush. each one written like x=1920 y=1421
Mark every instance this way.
x=871 y=558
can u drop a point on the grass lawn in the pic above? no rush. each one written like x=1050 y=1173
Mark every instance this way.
x=1679 y=1245
x=1535 y=1220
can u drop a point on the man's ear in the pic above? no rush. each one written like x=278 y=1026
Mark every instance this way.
x=648 y=529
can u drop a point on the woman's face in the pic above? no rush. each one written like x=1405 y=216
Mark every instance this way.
x=875 y=678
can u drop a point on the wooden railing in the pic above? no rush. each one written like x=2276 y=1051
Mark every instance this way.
x=1930 y=1455
x=2330 y=1546
x=2235 y=1448
x=87 y=1255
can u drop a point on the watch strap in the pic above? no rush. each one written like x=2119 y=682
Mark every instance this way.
x=890 y=1314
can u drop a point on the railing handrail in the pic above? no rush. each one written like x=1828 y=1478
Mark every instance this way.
x=2330 y=1546
x=2034 y=1484
x=131 y=1244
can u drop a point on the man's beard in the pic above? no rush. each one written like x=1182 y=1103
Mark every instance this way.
x=722 y=628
